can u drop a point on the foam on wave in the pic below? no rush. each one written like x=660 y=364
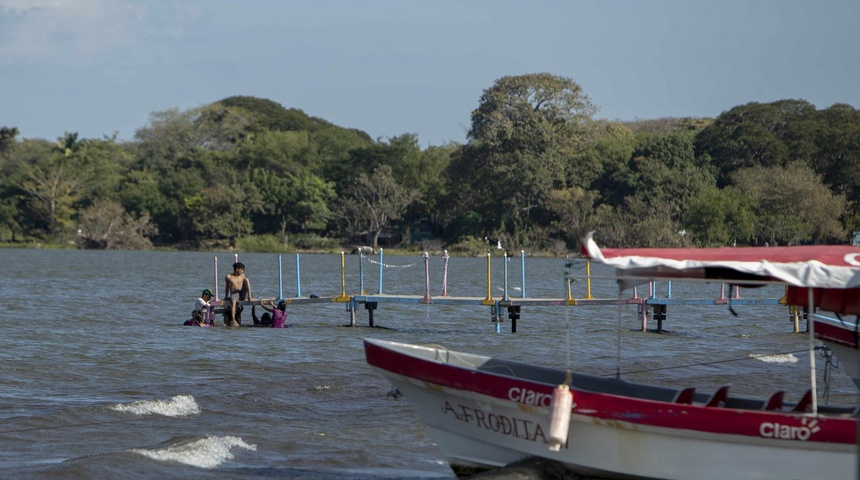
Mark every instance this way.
x=178 y=406
x=782 y=358
x=209 y=452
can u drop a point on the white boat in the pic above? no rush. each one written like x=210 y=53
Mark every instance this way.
x=841 y=340
x=839 y=333
x=842 y=337
x=486 y=412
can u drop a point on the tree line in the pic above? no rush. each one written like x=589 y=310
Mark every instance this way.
x=537 y=171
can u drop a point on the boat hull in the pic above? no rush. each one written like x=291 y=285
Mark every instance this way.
x=475 y=422
x=842 y=338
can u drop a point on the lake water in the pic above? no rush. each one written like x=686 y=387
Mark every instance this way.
x=99 y=378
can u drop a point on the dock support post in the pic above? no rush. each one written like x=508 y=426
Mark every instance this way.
x=514 y=315
x=298 y=277
x=370 y=307
x=805 y=315
x=659 y=316
x=642 y=309
x=794 y=314
x=497 y=321
x=445 y=273
x=351 y=307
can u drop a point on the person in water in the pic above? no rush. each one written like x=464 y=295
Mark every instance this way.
x=228 y=316
x=203 y=309
x=279 y=313
x=200 y=316
x=237 y=288
x=265 y=321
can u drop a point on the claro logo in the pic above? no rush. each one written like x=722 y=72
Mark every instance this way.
x=789 y=432
x=851 y=259
x=530 y=397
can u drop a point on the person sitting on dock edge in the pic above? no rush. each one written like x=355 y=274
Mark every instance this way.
x=237 y=288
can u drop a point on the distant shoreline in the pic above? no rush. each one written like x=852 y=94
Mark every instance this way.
x=393 y=251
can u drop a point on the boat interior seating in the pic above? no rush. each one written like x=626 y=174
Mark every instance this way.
x=775 y=401
x=689 y=396
x=718 y=399
x=685 y=395
x=805 y=403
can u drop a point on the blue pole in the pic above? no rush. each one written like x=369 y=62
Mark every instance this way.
x=280 y=280
x=669 y=291
x=298 y=277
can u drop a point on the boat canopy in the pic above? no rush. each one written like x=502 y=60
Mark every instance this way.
x=832 y=271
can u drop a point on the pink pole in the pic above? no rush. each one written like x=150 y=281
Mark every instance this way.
x=216 y=278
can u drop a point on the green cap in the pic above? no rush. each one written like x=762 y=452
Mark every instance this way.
x=206 y=292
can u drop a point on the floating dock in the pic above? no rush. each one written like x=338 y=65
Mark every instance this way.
x=649 y=307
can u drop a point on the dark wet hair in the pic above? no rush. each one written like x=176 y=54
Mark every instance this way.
x=238 y=265
x=282 y=305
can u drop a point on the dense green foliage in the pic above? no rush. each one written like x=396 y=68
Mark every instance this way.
x=537 y=172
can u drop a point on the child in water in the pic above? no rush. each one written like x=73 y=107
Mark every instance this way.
x=279 y=313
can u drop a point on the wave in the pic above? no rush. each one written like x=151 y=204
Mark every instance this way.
x=178 y=406
x=781 y=358
x=209 y=452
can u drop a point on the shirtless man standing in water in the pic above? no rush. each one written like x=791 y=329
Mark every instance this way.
x=237 y=288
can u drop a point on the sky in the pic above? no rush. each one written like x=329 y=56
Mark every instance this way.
x=390 y=67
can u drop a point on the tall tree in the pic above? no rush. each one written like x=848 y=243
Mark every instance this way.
x=106 y=225
x=372 y=203
x=759 y=134
x=53 y=183
x=838 y=156
x=720 y=217
x=792 y=205
x=7 y=138
x=523 y=133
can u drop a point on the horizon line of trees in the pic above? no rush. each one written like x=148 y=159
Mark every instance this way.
x=537 y=171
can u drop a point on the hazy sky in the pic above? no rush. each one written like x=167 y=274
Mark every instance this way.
x=389 y=67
